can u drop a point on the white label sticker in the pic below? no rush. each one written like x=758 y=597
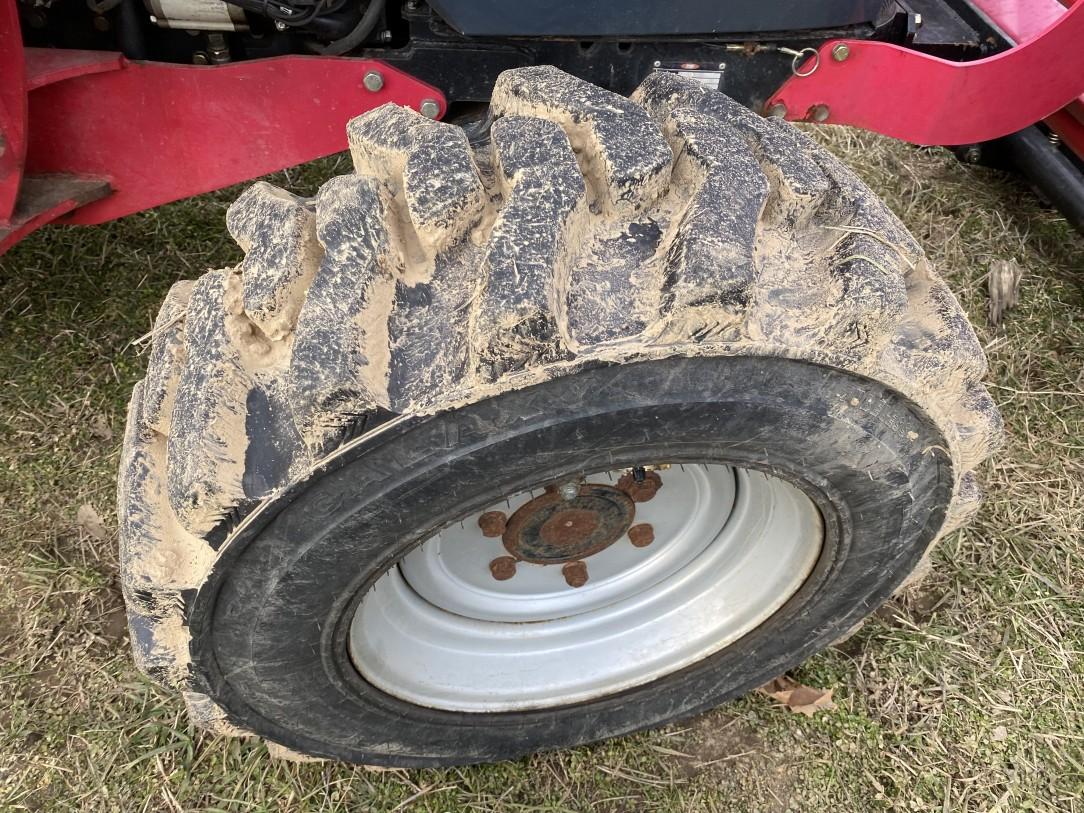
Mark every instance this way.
x=712 y=80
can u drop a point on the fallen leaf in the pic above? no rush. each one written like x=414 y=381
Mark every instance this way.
x=1003 y=283
x=87 y=519
x=999 y=734
x=798 y=698
x=99 y=428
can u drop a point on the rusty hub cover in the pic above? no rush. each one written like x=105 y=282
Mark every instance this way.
x=551 y=530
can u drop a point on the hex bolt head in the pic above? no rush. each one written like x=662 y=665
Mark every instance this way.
x=641 y=535
x=492 y=523
x=777 y=111
x=429 y=108
x=373 y=81
x=503 y=568
x=819 y=113
x=280 y=25
x=575 y=573
x=840 y=51
x=569 y=490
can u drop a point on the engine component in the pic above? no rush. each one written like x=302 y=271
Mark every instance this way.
x=197 y=15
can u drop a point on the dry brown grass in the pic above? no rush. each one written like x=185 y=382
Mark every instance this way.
x=967 y=696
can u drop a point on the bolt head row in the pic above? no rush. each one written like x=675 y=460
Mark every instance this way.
x=374 y=83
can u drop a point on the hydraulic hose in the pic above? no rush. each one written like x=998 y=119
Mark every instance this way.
x=356 y=37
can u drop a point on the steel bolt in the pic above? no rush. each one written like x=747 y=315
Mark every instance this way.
x=972 y=153
x=819 y=113
x=641 y=535
x=429 y=108
x=503 y=568
x=840 y=52
x=373 y=81
x=200 y=58
x=492 y=523
x=280 y=25
x=569 y=491
x=777 y=111
x=575 y=573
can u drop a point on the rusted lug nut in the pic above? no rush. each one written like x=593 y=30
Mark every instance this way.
x=492 y=523
x=640 y=490
x=503 y=568
x=575 y=573
x=641 y=535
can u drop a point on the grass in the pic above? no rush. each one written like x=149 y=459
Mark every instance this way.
x=967 y=696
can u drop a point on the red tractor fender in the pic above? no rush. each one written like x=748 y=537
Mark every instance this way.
x=89 y=136
x=926 y=100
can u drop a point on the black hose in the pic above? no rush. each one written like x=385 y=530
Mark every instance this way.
x=1054 y=175
x=356 y=37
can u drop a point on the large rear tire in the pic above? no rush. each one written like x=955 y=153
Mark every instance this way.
x=611 y=295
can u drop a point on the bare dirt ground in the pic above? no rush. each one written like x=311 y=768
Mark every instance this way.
x=967 y=696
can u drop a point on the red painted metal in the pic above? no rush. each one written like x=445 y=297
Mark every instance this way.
x=1023 y=21
x=44 y=199
x=12 y=108
x=160 y=132
x=18 y=228
x=927 y=100
x=47 y=65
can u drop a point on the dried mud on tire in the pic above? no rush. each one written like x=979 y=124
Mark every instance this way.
x=591 y=229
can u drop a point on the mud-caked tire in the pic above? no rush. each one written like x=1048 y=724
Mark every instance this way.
x=660 y=286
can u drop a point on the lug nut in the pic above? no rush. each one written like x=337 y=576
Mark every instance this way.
x=429 y=108
x=504 y=568
x=642 y=489
x=575 y=573
x=840 y=52
x=373 y=81
x=641 y=535
x=492 y=523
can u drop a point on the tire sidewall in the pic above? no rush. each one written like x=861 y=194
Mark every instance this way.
x=269 y=626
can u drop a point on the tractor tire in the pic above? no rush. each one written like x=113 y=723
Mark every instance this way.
x=486 y=451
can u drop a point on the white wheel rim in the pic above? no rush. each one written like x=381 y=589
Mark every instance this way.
x=731 y=547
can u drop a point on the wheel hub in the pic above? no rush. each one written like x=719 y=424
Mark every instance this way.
x=463 y=624
x=551 y=530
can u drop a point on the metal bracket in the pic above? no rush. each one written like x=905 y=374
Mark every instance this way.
x=928 y=100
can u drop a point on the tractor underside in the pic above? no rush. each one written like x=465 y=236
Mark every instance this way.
x=113 y=106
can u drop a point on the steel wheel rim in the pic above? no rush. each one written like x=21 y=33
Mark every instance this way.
x=732 y=546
